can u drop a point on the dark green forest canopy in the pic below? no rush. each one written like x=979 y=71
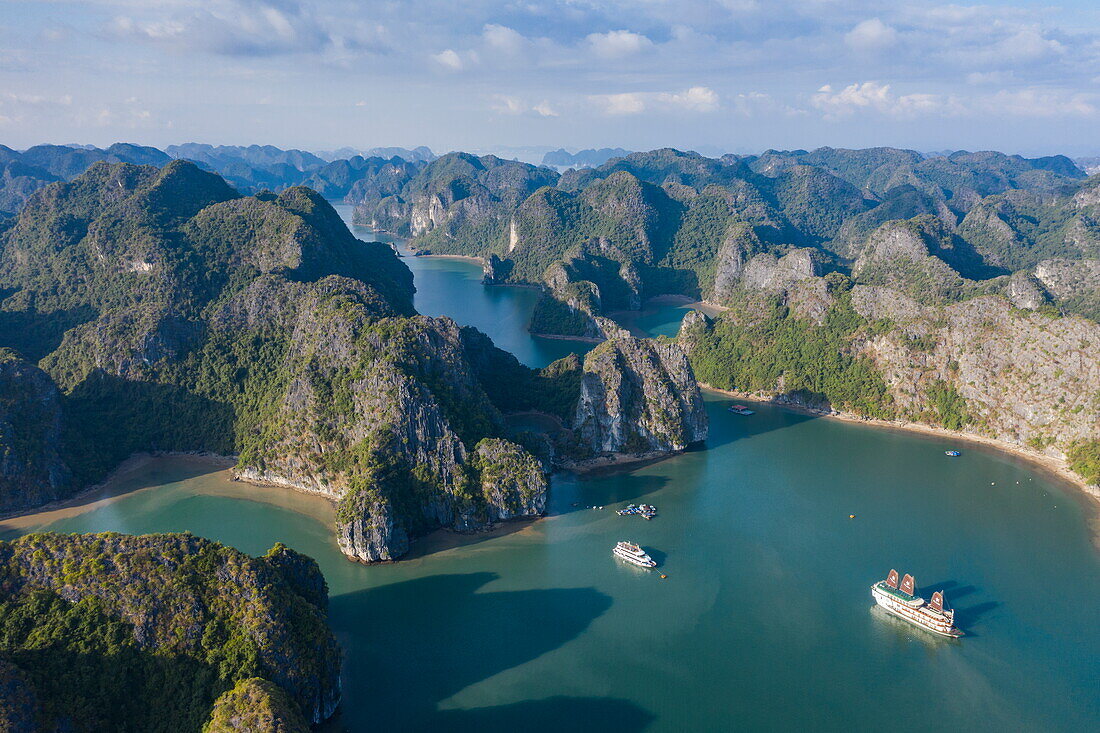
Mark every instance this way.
x=115 y=632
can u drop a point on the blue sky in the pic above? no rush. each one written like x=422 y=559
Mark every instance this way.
x=730 y=75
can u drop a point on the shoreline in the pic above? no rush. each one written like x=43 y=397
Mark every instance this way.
x=703 y=306
x=112 y=486
x=616 y=460
x=1057 y=467
x=413 y=252
x=463 y=258
x=559 y=337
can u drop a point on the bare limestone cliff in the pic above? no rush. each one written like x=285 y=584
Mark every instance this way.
x=638 y=396
x=1023 y=378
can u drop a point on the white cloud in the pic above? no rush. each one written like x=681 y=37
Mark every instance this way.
x=1021 y=50
x=620 y=104
x=229 y=27
x=1026 y=102
x=503 y=38
x=618 y=44
x=871 y=35
x=875 y=97
x=509 y=105
x=1028 y=45
x=1033 y=102
x=543 y=109
x=448 y=59
x=694 y=99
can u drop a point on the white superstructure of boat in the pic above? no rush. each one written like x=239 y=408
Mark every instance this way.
x=633 y=554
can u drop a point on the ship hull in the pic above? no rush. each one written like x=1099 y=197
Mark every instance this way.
x=647 y=563
x=914 y=615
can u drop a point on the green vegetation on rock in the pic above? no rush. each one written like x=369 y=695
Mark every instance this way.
x=1084 y=458
x=785 y=353
x=114 y=632
x=255 y=705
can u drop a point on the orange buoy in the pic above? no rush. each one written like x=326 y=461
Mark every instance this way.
x=851 y=516
x=663 y=577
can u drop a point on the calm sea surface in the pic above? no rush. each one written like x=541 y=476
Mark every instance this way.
x=765 y=621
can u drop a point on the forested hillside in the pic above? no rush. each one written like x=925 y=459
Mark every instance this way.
x=158 y=309
x=114 y=632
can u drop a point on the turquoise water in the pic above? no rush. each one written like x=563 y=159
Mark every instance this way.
x=765 y=621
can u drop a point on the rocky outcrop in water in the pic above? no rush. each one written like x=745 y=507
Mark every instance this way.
x=638 y=396
x=259 y=326
x=512 y=480
x=389 y=410
x=168 y=622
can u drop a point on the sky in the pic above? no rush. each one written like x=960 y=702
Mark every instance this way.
x=494 y=75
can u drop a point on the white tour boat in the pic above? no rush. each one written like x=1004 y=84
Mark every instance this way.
x=633 y=554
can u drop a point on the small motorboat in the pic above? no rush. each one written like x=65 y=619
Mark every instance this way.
x=952 y=453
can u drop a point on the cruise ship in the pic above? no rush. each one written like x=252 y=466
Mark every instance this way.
x=633 y=554
x=902 y=601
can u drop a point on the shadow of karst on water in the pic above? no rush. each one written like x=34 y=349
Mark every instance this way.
x=476 y=634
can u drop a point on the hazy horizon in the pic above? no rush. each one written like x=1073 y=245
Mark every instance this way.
x=528 y=154
x=734 y=75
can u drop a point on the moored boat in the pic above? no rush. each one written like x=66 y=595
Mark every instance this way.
x=633 y=554
x=645 y=511
x=740 y=410
x=952 y=453
x=901 y=600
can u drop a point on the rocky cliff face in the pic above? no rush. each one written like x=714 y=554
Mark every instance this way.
x=911 y=339
x=375 y=412
x=262 y=328
x=512 y=480
x=638 y=396
x=459 y=201
x=903 y=255
x=1074 y=283
x=32 y=469
x=212 y=615
x=1029 y=379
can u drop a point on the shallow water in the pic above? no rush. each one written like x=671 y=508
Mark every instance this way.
x=765 y=621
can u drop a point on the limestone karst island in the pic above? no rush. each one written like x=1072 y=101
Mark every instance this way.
x=563 y=366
